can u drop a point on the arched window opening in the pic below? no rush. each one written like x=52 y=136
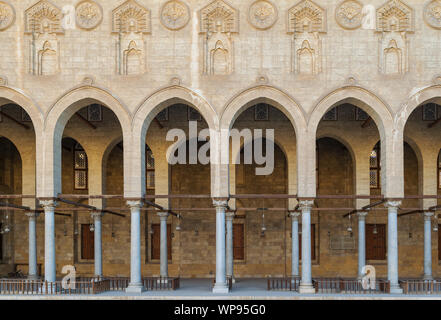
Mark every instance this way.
x=375 y=169
x=150 y=168
x=80 y=168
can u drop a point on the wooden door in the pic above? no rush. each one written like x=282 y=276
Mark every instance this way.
x=238 y=241
x=87 y=242
x=375 y=243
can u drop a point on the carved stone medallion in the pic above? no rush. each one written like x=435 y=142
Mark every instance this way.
x=262 y=14
x=89 y=14
x=432 y=14
x=7 y=15
x=349 y=14
x=175 y=15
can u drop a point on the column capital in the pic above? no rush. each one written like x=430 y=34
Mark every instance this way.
x=96 y=214
x=294 y=215
x=48 y=203
x=135 y=203
x=392 y=203
x=220 y=202
x=362 y=215
x=229 y=215
x=163 y=215
x=32 y=214
x=306 y=204
x=428 y=215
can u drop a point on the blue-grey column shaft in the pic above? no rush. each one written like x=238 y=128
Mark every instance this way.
x=49 y=240
x=306 y=282
x=230 y=257
x=221 y=281
x=361 y=243
x=32 y=245
x=392 y=246
x=135 y=285
x=427 y=246
x=98 y=244
x=295 y=260
x=163 y=246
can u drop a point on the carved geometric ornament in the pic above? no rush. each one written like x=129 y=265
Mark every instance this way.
x=175 y=15
x=219 y=16
x=131 y=17
x=394 y=16
x=89 y=14
x=432 y=14
x=262 y=14
x=43 y=17
x=7 y=15
x=306 y=16
x=349 y=14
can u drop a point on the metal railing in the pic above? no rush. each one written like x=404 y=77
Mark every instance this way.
x=418 y=286
x=38 y=287
x=349 y=286
x=283 y=283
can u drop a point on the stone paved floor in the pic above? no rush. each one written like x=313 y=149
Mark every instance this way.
x=243 y=289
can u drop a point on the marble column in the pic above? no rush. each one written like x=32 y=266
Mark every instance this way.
x=135 y=285
x=50 y=272
x=33 y=273
x=306 y=282
x=427 y=246
x=295 y=244
x=361 y=243
x=163 y=246
x=96 y=216
x=230 y=257
x=392 y=246
x=221 y=280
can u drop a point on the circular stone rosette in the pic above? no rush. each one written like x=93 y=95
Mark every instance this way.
x=89 y=14
x=432 y=14
x=349 y=14
x=7 y=15
x=262 y=14
x=175 y=15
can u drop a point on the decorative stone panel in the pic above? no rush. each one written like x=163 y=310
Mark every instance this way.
x=218 y=21
x=306 y=21
x=131 y=21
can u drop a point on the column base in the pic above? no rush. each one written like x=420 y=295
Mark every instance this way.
x=396 y=289
x=135 y=288
x=220 y=288
x=162 y=280
x=427 y=277
x=33 y=277
x=306 y=288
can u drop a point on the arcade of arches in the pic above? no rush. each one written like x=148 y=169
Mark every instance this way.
x=85 y=110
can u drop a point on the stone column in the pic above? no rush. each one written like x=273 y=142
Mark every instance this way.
x=392 y=246
x=361 y=243
x=32 y=274
x=427 y=246
x=135 y=285
x=164 y=246
x=306 y=282
x=50 y=272
x=230 y=257
x=221 y=280
x=295 y=243
x=96 y=216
